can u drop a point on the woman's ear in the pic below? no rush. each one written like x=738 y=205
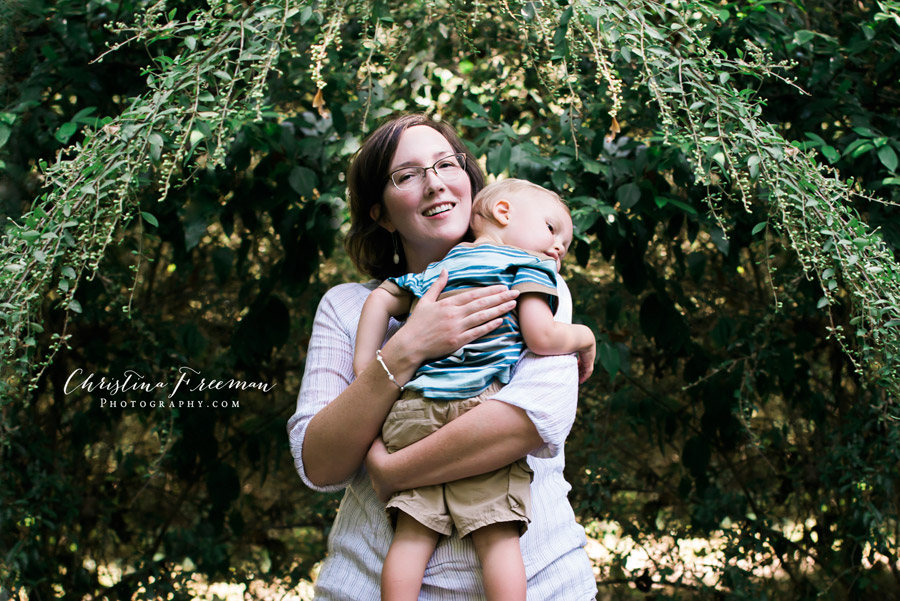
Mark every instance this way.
x=384 y=221
x=500 y=211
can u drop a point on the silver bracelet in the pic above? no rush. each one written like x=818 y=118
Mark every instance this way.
x=390 y=376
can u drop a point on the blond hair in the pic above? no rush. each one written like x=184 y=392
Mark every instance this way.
x=484 y=202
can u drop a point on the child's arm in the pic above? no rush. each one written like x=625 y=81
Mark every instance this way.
x=543 y=336
x=373 y=324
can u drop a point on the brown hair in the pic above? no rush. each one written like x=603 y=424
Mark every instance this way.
x=483 y=204
x=368 y=244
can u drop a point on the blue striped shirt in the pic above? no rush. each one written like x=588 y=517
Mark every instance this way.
x=470 y=370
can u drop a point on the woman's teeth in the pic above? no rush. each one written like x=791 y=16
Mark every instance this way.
x=438 y=209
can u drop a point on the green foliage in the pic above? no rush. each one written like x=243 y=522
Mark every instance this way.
x=744 y=293
x=192 y=105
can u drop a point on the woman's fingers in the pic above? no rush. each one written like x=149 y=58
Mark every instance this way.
x=439 y=327
x=483 y=316
x=436 y=288
x=481 y=305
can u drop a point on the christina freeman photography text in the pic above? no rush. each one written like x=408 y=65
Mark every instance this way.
x=188 y=380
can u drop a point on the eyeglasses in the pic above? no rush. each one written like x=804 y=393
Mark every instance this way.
x=448 y=169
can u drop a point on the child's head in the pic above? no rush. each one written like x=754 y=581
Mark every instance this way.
x=520 y=213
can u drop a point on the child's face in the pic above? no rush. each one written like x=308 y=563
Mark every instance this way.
x=539 y=223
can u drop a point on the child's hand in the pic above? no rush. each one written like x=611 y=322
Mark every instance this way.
x=586 y=361
x=375 y=465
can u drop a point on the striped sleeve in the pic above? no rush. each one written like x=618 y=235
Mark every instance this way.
x=539 y=276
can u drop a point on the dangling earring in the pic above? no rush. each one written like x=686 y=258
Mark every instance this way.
x=396 y=250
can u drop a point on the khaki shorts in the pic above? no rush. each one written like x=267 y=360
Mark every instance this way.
x=503 y=495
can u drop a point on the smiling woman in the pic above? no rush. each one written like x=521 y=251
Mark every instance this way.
x=339 y=417
x=432 y=217
x=369 y=242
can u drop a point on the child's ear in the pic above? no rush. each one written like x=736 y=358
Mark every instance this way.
x=383 y=221
x=501 y=211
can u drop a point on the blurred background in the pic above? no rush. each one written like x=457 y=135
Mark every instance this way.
x=180 y=203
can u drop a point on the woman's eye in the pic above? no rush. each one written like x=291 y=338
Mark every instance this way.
x=402 y=177
x=447 y=164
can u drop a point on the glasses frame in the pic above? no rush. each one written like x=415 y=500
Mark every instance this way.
x=459 y=156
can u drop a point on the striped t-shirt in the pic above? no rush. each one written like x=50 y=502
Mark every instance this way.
x=470 y=370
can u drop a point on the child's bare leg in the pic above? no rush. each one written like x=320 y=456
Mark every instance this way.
x=404 y=566
x=497 y=546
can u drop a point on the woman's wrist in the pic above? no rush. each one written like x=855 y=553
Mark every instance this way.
x=400 y=360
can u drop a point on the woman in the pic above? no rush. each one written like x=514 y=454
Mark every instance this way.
x=338 y=419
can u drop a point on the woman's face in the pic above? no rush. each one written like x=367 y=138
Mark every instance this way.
x=434 y=216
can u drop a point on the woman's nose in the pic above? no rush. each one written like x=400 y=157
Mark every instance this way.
x=432 y=180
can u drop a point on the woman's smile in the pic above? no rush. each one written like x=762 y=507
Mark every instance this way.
x=439 y=209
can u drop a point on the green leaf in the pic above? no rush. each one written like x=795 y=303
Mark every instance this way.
x=5 y=130
x=66 y=131
x=83 y=115
x=149 y=218
x=559 y=178
x=888 y=157
x=475 y=108
x=719 y=157
x=759 y=227
x=753 y=166
x=831 y=153
x=528 y=11
x=498 y=158
x=609 y=358
x=469 y=122
x=74 y=306
x=303 y=181
x=628 y=195
x=803 y=36
x=682 y=205
x=590 y=165
x=856 y=144
x=196 y=136
x=865 y=132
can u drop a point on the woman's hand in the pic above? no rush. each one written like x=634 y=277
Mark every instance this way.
x=437 y=328
x=376 y=459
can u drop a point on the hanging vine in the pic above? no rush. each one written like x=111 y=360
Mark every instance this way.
x=193 y=106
